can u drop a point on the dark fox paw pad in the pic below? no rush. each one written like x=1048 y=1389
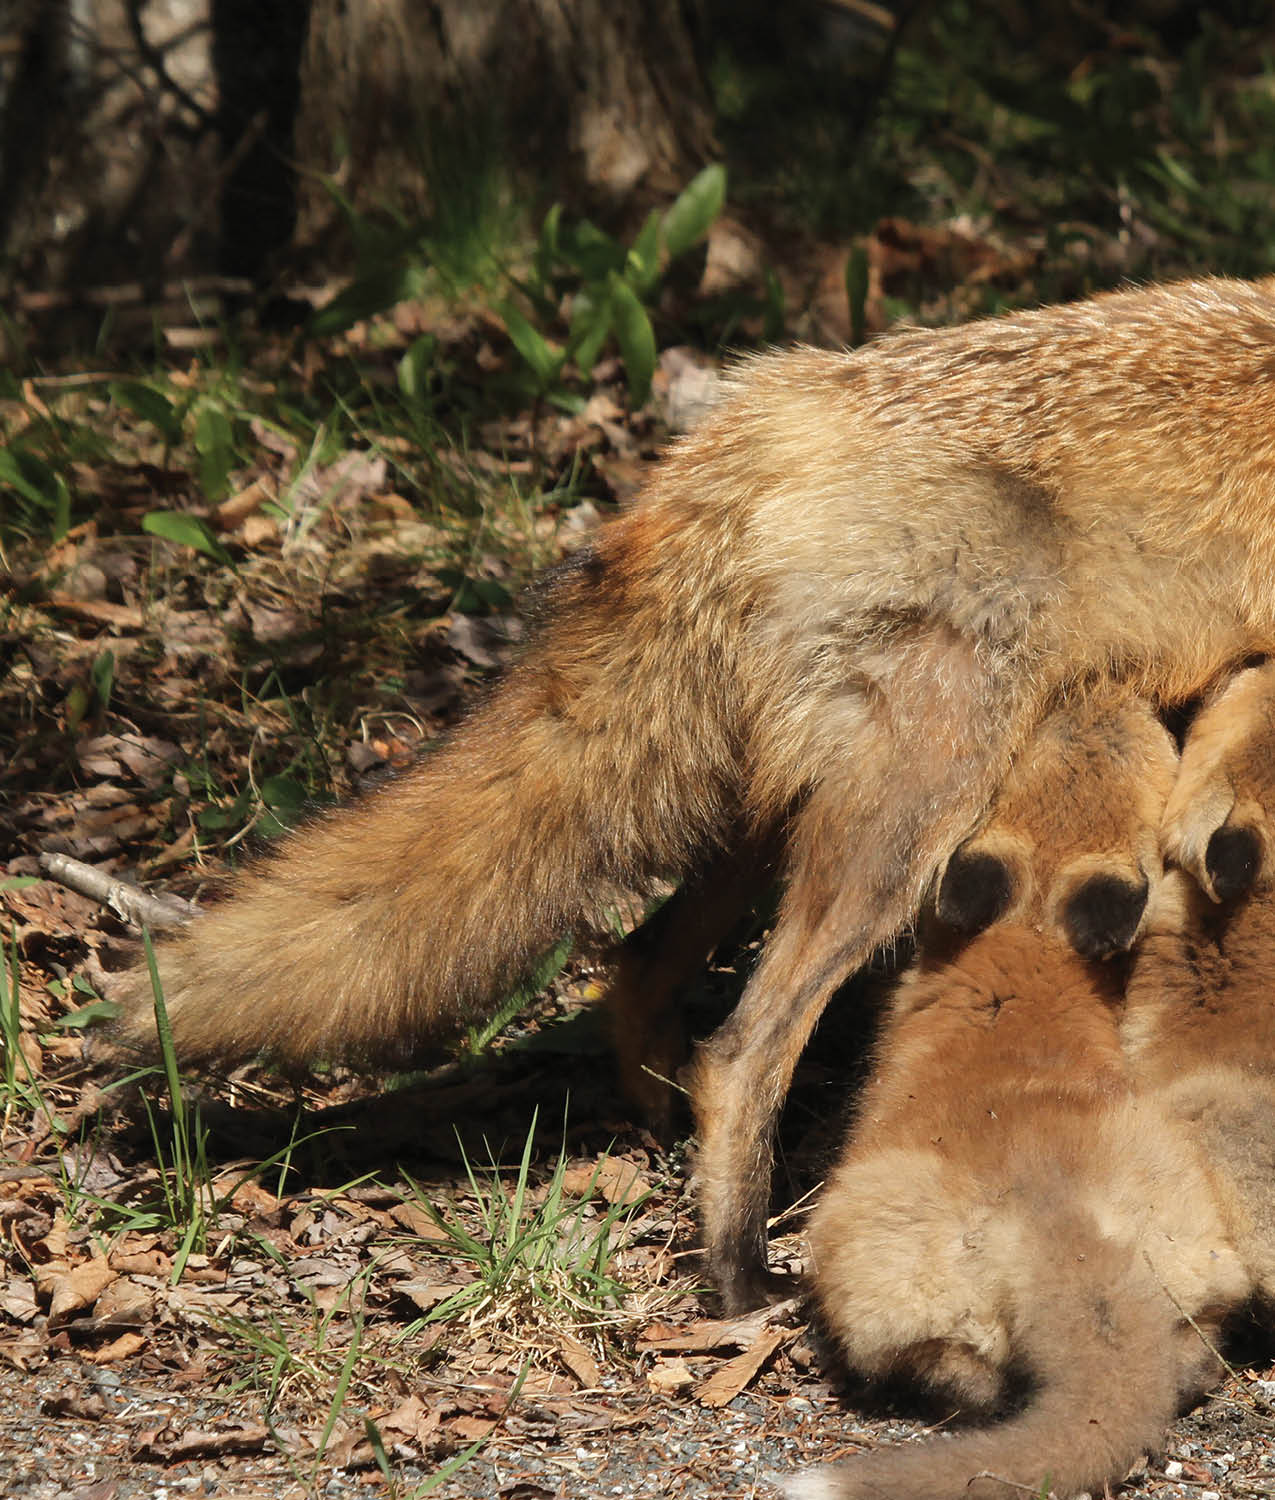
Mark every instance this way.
x=974 y=891
x=1102 y=917
x=1233 y=859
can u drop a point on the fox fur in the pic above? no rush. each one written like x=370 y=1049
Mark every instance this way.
x=1199 y=1026
x=837 y=613
x=1014 y=1206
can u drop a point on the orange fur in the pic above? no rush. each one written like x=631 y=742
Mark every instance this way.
x=1199 y=1025
x=840 y=609
x=1011 y=1203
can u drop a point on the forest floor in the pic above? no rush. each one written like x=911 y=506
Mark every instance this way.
x=257 y=579
x=478 y=1280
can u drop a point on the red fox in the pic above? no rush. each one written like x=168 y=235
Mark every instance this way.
x=1199 y=1026
x=839 y=610
x=1018 y=1204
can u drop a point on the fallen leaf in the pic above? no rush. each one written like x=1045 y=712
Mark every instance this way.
x=141 y=1263
x=99 y=611
x=70 y=1401
x=249 y=1437
x=412 y=1421
x=612 y=1178
x=74 y=1290
x=411 y=1216
x=230 y=513
x=469 y=1429
x=669 y=1376
x=713 y=1333
x=426 y=1295
x=123 y=1347
x=578 y=1359
x=725 y=1384
x=125 y=1303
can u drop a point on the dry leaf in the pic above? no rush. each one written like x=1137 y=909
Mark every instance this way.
x=123 y=1347
x=725 y=1384
x=75 y=1290
x=413 y=1421
x=578 y=1359
x=426 y=1295
x=230 y=513
x=469 y=1429
x=124 y=1302
x=248 y=1437
x=715 y=1333
x=612 y=1178
x=138 y=1262
x=669 y=1376
x=414 y=1218
x=99 y=611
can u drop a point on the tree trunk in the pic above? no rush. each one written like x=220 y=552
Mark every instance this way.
x=142 y=141
x=591 y=101
x=106 y=150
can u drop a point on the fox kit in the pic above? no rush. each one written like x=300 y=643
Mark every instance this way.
x=840 y=609
x=1200 y=1015
x=1010 y=1210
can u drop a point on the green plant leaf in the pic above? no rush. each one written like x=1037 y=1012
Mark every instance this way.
x=97 y=1010
x=189 y=531
x=590 y=251
x=415 y=366
x=284 y=796
x=642 y=264
x=75 y=706
x=215 y=444
x=229 y=815
x=13 y=474
x=694 y=210
x=590 y=325
x=61 y=507
x=150 y=405
x=471 y=596
x=635 y=336
x=544 y=358
x=547 y=251
x=103 y=674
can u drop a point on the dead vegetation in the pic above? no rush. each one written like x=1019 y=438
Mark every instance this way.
x=234 y=589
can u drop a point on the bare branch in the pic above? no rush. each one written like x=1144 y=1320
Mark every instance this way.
x=127 y=901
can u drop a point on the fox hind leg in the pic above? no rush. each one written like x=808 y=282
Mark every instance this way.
x=863 y=850
x=655 y=963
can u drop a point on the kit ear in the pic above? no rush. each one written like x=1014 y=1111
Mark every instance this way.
x=1233 y=860
x=1102 y=916
x=975 y=891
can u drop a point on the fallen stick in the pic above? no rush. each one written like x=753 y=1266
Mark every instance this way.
x=127 y=901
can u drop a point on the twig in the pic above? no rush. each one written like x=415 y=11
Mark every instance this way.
x=127 y=901
x=1214 y=1351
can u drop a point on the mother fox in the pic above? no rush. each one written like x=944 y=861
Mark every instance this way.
x=836 y=614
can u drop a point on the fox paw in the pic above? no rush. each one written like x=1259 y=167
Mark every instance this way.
x=1216 y=825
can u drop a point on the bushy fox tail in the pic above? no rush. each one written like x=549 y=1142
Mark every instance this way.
x=1110 y=1370
x=406 y=915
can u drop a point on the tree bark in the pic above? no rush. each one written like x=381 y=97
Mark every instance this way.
x=143 y=141
x=590 y=101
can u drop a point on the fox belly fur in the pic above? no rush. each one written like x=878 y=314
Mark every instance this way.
x=836 y=615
